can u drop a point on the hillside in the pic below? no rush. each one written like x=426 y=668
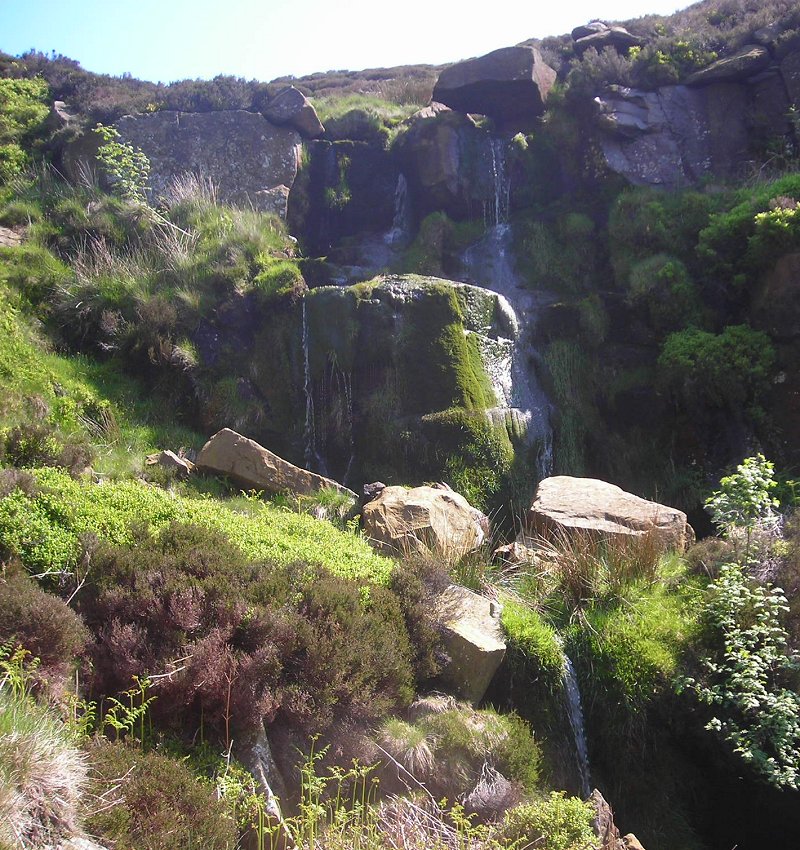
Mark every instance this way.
x=449 y=324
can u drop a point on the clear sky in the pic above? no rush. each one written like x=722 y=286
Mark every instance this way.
x=176 y=39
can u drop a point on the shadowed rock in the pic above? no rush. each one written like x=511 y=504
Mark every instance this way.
x=744 y=63
x=257 y=468
x=510 y=85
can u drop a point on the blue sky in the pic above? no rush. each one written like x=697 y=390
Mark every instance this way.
x=263 y=39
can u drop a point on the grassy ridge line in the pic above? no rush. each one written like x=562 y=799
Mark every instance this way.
x=44 y=529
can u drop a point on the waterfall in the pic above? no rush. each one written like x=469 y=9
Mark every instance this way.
x=489 y=264
x=575 y=712
x=401 y=223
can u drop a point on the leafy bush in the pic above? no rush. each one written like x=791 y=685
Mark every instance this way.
x=731 y=369
x=23 y=108
x=661 y=285
x=557 y=822
x=154 y=803
x=744 y=681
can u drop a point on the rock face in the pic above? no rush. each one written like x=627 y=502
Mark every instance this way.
x=673 y=136
x=448 y=162
x=510 y=85
x=473 y=638
x=600 y=36
x=606 y=830
x=716 y=124
x=254 y=467
x=240 y=152
x=292 y=108
x=566 y=504
x=423 y=519
x=9 y=238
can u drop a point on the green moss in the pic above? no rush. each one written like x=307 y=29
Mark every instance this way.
x=333 y=326
x=536 y=641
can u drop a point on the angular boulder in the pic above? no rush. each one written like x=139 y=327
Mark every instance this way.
x=473 y=639
x=617 y=38
x=291 y=107
x=564 y=504
x=257 y=468
x=423 y=520
x=167 y=459
x=510 y=85
x=746 y=62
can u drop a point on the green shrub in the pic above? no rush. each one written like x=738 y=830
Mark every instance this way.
x=555 y=823
x=661 y=285
x=756 y=715
x=731 y=369
x=153 y=802
x=23 y=109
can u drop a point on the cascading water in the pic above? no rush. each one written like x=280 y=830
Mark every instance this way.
x=398 y=234
x=489 y=264
x=575 y=712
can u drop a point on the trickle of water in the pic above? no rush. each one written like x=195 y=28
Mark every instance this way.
x=401 y=223
x=575 y=711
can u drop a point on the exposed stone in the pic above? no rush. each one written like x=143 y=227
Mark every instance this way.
x=240 y=152
x=564 y=504
x=290 y=106
x=275 y=200
x=9 y=238
x=257 y=468
x=423 y=519
x=60 y=118
x=746 y=62
x=674 y=136
x=169 y=460
x=603 y=824
x=473 y=639
x=616 y=37
x=510 y=85
x=447 y=160
x=256 y=755
x=631 y=842
x=372 y=491
x=591 y=28
x=433 y=109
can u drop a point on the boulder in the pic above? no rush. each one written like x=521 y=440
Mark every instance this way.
x=257 y=468
x=606 y=830
x=9 y=238
x=423 y=520
x=564 y=504
x=617 y=38
x=510 y=85
x=169 y=460
x=291 y=107
x=447 y=161
x=585 y=30
x=240 y=152
x=473 y=639
x=746 y=62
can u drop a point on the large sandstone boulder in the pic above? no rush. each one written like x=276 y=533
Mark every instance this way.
x=242 y=154
x=423 y=519
x=600 y=38
x=257 y=468
x=291 y=107
x=564 y=504
x=473 y=639
x=510 y=85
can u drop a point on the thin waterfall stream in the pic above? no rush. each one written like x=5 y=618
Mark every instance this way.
x=575 y=712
